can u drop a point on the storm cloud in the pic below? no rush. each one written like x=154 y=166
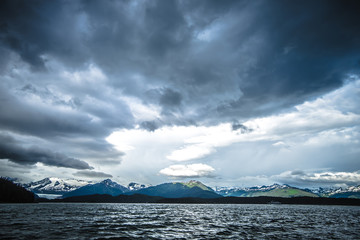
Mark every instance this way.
x=74 y=72
x=242 y=59
x=10 y=150
x=92 y=174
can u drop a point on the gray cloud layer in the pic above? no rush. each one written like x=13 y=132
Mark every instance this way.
x=92 y=174
x=234 y=59
x=69 y=68
x=302 y=178
x=11 y=150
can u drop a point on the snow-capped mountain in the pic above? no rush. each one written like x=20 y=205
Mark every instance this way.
x=337 y=192
x=112 y=184
x=192 y=188
x=228 y=190
x=275 y=190
x=105 y=187
x=353 y=189
x=137 y=186
x=322 y=191
x=284 y=190
x=54 y=185
x=58 y=187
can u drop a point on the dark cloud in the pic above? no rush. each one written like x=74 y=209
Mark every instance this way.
x=62 y=127
x=168 y=28
x=298 y=173
x=67 y=66
x=170 y=98
x=243 y=129
x=41 y=120
x=45 y=93
x=37 y=28
x=234 y=58
x=13 y=151
x=149 y=125
x=15 y=170
x=92 y=174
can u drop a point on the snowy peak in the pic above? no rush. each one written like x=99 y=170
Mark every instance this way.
x=57 y=186
x=332 y=191
x=136 y=186
x=109 y=182
x=54 y=185
x=106 y=186
x=354 y=189
x=255 y=188
x=275 y=190
x=268 y=188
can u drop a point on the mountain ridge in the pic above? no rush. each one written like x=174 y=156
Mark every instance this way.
x=11 y=192
x=275 y=190
x=192 y=188
x=106 y=186
x=178 y=190
x=52 y=185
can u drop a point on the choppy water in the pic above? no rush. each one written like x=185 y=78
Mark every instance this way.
x=177 y=221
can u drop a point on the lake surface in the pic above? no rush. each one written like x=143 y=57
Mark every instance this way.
x=177 y=221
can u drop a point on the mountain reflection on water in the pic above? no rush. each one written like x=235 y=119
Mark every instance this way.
x=177 y=221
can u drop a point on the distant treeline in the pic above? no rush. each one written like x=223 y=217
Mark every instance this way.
x=269 y=200
x=13 y=193
x=139 y=198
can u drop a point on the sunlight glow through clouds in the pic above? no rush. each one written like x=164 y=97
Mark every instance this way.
x=192 y=170
x=188 y=142
x=309 y=124
x=196 y=142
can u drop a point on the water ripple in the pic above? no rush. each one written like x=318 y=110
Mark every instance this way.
x=177 y=221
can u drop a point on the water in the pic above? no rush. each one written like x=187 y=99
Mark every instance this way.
x=177 y=221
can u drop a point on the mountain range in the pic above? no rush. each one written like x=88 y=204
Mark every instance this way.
x=349 y=192
x=178 y=190
x=64 y=188
x=52 y=185
x=11 y=192
x=274 y=190
x=105 y=187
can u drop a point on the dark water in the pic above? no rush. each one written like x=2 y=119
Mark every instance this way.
x=176 y=221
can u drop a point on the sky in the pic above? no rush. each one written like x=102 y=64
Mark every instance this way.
x=231 y=93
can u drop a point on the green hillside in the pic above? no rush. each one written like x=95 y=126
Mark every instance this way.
x=178 y=190
x=198 y=184
x=286 y=192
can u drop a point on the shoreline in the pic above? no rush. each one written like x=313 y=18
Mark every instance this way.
x=137 y=198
